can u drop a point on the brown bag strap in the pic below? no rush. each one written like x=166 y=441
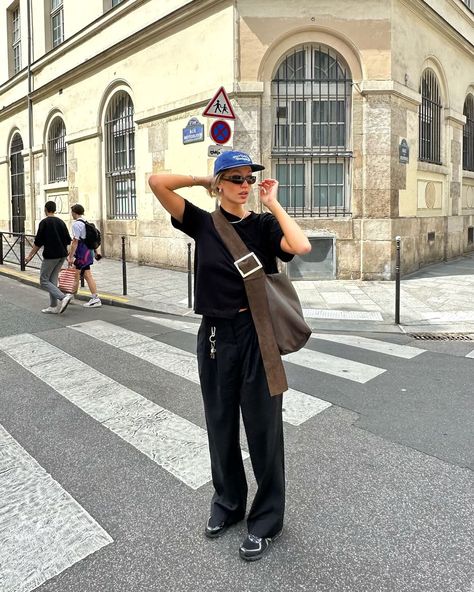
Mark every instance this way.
x=253 y=275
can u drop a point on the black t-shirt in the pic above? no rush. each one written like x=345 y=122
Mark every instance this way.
x=53 y=235
x=219 y=288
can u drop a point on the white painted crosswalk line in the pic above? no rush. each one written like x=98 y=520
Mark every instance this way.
x=298 y=407
x=308 y=358
x=172 y=442
x=333 y=365
x=383 y=347
x=174 y=324
x=42 y=528
x=470 y=354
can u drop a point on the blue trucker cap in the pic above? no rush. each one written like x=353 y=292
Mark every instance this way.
x=232 y=159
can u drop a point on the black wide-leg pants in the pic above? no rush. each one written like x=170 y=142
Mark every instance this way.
x=233 y=380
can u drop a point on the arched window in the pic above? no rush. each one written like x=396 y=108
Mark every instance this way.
x=57 y=156
x=120 y=157
x=311 y=99
x=468 y=135
x=430 y=119
x=17 y=179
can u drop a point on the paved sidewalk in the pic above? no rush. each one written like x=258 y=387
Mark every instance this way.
x=438 y=298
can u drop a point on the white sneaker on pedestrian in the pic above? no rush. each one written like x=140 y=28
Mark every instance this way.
x=64 y=303
x=50 y=310
x=93 y=303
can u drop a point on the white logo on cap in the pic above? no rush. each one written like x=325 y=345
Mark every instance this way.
x=241 y=157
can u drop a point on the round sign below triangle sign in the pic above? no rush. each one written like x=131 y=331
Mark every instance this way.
x=220 y=132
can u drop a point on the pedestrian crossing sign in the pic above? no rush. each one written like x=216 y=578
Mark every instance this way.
x=219 y=106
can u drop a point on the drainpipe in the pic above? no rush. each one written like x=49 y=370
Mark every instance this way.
x=30 y=114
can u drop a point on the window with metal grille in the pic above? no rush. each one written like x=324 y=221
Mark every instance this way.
x=16 y=40
x=17 y=180
x=430 y=119
x=311 y=156
x=115 y=2
x=57 y=22
x=469 y=3
x=120 y=157
x=468 y=135
x=57 y=155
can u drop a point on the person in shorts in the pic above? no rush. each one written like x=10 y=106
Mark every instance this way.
x=81 y=256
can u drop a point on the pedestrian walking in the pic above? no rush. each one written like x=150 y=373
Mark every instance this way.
x=82 y=256
x=54 y=237
x=230 y=364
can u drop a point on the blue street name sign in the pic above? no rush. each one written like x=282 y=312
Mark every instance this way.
x=193 y=132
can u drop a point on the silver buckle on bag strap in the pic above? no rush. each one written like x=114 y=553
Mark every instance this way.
x=243 y=259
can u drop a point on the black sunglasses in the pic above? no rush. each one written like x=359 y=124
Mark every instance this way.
x=239 y=180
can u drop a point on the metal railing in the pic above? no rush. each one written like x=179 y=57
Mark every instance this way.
x=13 y=247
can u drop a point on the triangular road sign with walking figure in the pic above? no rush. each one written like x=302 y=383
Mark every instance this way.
x=219 y=106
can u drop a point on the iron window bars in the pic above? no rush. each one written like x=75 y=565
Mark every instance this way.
x=468 y=135
x=120 y=158
x=57 y=155
x=430 y=119
x=17 y=179
x=311 y=155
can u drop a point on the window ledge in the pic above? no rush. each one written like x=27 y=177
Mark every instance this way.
x=468 y=174
x=429 y=167
x=57 y=186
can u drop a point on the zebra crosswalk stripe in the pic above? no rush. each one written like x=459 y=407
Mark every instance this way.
x=45 y=529
x=333 y=365
x=375 y=345
x=171 y=441
x=298 y=407
x=308 y=358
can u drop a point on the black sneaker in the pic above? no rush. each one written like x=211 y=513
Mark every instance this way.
x=212 y=532
x=254 y=547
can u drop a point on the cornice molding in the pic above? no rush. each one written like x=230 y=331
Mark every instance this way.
x=390 y=87
x=248 y=89
x=455 y=116
x=92 y=132
x=428 y=13
x=18 y=105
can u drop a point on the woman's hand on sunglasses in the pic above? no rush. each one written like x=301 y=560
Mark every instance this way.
x=268 y=191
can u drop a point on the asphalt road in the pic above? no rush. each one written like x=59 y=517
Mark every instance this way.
x=104 y=485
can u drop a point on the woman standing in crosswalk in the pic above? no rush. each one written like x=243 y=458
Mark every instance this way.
x=230 y=364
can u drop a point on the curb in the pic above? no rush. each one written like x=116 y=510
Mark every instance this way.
x=359 y=326
x=118 y=301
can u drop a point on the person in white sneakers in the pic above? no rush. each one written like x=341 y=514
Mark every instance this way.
x=81 y=256
x=54 y=237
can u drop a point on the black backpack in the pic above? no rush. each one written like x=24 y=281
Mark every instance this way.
x=93 y=238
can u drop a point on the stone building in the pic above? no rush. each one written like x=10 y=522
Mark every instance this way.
x=363 y=109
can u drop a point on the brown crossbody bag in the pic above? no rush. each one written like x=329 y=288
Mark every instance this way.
x=274 y=305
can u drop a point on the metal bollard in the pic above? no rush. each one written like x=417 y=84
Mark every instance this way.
x=190 y=279
x=124 y=268
x=397 y=282
x=22 y=252
x=1 y=248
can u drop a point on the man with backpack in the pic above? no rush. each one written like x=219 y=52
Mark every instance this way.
x=86 y=239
